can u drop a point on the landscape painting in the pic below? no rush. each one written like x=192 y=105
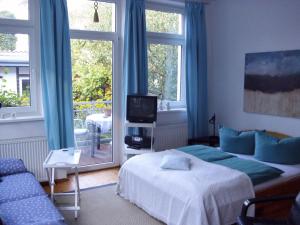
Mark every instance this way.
x=272 y=83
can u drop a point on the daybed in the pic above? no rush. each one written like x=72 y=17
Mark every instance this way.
x=22 y=200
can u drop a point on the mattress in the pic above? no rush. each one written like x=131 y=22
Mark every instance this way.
x=290 y=172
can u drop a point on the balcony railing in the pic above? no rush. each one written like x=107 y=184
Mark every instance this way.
x=83 y=109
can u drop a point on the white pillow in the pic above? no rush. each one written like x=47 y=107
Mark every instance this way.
x=175 y=162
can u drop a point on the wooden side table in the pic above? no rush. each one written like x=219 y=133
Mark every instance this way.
x=63 y=159
x=213 y=141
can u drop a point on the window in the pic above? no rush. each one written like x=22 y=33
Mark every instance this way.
x=84 y=21
x=14 y=56
x=16 y=9
x=165 y=54
x=165 y=22
x=18 y=61
x=164 y=69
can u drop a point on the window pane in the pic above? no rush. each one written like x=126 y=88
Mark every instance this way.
x=92 y=96
x=81 y=15
x=14 y=70
x=14 y=9
x=165 y=22
x=164 y=63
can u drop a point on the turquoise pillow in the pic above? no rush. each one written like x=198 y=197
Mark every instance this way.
x=275 y=150
x=239 y=142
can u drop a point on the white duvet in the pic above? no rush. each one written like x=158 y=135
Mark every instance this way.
x=208 y=194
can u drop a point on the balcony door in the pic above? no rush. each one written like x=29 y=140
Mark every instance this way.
x=94 y=59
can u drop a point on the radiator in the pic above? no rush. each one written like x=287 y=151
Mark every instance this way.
x=32 y=151
x=170 y=136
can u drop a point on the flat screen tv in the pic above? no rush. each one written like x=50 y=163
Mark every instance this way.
x=141 y=109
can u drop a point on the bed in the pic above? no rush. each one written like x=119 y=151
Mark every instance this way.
x=180 y=197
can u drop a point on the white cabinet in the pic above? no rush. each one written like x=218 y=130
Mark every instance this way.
x=131 y=151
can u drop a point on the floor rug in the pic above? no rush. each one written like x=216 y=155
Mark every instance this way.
x=101 y=206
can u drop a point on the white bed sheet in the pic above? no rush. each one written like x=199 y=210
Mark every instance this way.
x=208 y=194
x=290 y=172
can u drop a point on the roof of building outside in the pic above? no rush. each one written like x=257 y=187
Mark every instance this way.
x=14 y=58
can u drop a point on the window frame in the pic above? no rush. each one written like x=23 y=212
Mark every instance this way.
x=31 y=28
x=171 y=39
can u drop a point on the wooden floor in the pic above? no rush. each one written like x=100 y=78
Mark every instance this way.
x=86 y=180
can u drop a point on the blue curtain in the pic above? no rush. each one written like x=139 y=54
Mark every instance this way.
x=135 y=52
x=196 y=70
x=56 y=73
x=135 y=48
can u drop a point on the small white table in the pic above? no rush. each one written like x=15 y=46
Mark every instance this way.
x=63 y=159
x=100 y=120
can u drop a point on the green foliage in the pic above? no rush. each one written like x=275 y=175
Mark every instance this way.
x=9 y=98
x=7 y=41
x=92 y=70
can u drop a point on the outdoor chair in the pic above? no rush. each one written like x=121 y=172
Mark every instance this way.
x=81 y=133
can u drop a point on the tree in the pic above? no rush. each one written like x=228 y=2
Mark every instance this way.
x=92 y=70
x=9 y=98
x=7 y=41
x=162 y=72
x=163 y=59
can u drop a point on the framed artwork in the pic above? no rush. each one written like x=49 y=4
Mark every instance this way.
x=272 y=83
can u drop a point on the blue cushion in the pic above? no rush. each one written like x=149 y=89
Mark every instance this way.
x=30 y=211
x=175 y=162
x=275 y=150
x=19 y=186
x=11 y=166
x=239 y=142
x=205 y=153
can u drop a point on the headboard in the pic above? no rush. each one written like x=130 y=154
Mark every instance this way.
x=277 y=134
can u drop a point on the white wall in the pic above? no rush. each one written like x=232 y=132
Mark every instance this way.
x=236 y=27
x=22 y=129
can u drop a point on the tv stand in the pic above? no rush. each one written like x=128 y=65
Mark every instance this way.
x=129 y=152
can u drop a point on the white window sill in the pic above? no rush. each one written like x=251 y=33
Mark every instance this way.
x=172 y=116
x=175 y=110
x=41 y=118
x=21 y=119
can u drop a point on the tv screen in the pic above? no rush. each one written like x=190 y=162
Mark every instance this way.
x=141 y=109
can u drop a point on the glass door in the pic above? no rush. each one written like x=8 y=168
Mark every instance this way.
x=92 y=95
x=94 y=55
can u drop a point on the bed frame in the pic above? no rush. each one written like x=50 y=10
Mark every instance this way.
x=282 y=209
